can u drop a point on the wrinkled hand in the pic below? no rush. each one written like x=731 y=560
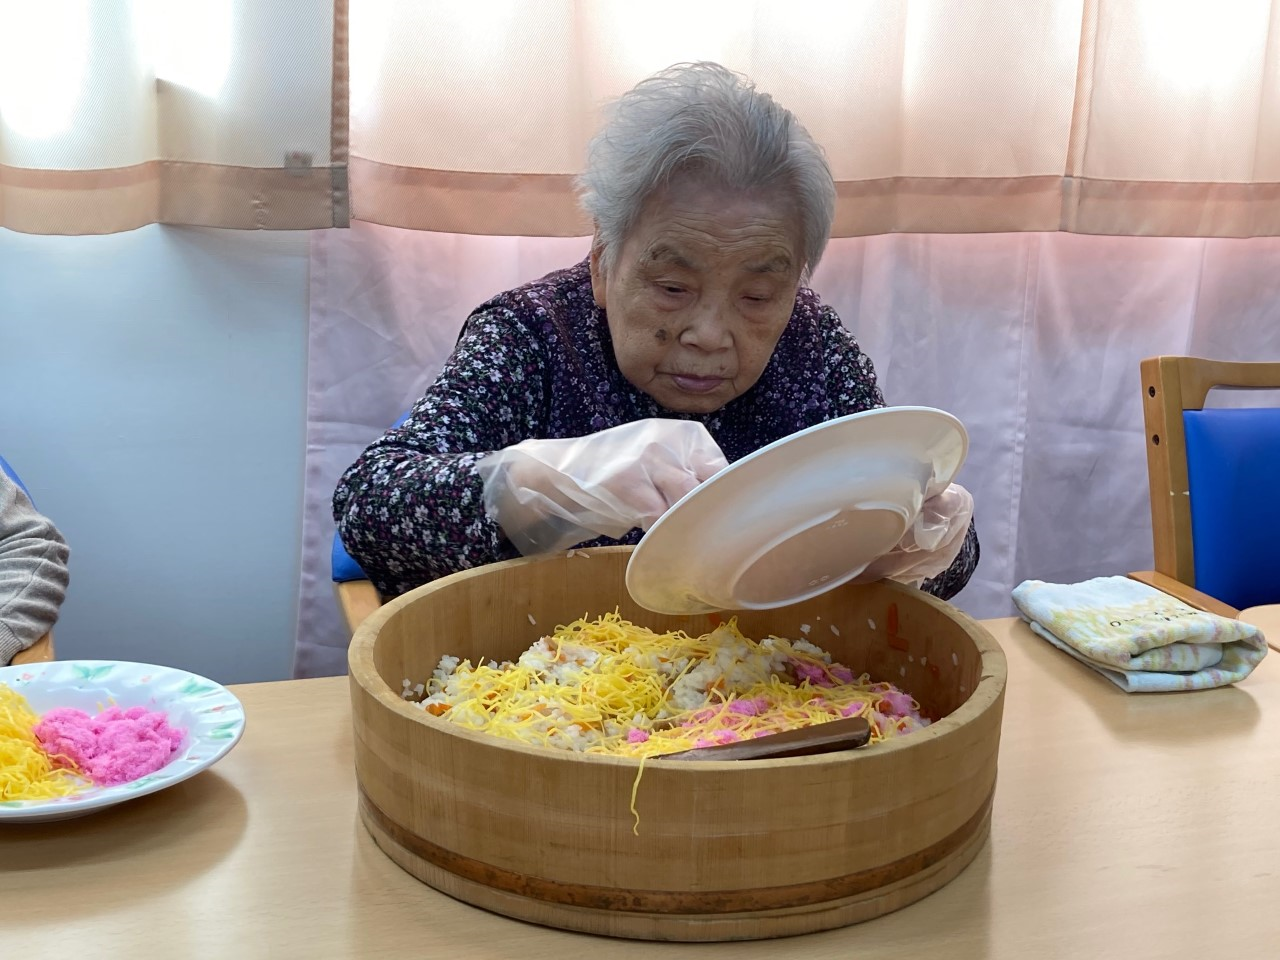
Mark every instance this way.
x=550 y=494
x=931 y=544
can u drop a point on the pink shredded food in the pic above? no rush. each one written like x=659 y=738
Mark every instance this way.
x=114 y=747
x=897 y=703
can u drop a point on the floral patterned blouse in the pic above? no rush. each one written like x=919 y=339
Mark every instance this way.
x=538 y=361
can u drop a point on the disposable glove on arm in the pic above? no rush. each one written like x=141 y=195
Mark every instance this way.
x=548 y=495
x=931 y=544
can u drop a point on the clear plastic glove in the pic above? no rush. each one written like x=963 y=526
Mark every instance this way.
x=550 y=494
x=931 y=544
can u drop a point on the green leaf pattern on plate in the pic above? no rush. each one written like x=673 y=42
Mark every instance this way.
x=194 y=687
x=93 y=673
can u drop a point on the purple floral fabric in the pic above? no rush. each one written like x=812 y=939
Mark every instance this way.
x=537 y=361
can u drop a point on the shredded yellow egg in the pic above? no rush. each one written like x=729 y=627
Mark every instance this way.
x=26 y=771
x=610 y=686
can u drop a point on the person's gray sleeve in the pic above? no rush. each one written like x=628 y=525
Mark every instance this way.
x=33 y=571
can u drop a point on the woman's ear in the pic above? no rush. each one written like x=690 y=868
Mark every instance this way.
x=598 y=278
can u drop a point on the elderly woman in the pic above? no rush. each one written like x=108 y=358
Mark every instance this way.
x=577 y=408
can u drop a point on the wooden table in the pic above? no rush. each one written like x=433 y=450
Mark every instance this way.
x=1136 y=826
x=1267 y=619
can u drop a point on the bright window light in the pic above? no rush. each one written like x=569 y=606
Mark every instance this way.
x=829 y=29
x=656 y=34
x=367 y=43
x=1193 y=45
x=44 y=50
x=188 y=43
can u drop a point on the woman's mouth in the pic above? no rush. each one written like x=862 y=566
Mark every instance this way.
x=692 y=384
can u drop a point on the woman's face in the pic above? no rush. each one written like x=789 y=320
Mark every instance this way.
x=699 y=293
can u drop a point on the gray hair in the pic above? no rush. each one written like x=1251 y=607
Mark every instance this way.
x=703 y=119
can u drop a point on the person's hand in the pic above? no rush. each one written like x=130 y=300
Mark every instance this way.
x=550 y=494
x=931 y=544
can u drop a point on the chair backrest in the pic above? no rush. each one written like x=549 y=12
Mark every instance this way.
x=342 y=565
x=1210 y=474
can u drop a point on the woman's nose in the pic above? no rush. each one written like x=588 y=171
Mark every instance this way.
x=709 y=326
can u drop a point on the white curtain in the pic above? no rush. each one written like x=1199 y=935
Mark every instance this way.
x=223 y=113
x=1032 y=339
x=1131 y=117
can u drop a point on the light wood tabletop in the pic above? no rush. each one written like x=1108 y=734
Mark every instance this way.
x=1267 y=619
x=1125 y=825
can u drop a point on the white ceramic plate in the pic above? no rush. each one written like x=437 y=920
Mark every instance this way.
x=797 y=517
x=209 y=712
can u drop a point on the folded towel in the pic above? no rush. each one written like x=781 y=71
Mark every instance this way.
x=1141 y=639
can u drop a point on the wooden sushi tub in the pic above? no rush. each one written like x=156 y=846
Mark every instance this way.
x=726 y=850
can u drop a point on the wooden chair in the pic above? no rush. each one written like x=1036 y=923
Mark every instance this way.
x=1226 y=466
x=39 y=652
x=356 y=599
x=357 y=596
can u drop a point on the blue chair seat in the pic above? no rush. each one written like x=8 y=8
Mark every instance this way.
x=1233 y=462
x=344 y=566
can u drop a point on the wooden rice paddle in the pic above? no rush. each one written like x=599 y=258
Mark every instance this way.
x=828 y=737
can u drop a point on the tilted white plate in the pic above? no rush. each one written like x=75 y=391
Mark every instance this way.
x=209 y=712
x=797 y=517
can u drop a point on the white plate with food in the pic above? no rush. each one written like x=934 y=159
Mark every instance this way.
x=800 y=516
x=208 y=716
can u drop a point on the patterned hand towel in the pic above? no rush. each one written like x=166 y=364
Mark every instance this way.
x=1142 y=640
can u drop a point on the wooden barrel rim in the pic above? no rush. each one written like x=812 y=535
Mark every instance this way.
x=662 y=901
x=362 y=671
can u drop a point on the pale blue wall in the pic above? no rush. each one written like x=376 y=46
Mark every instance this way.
x=152 y=396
